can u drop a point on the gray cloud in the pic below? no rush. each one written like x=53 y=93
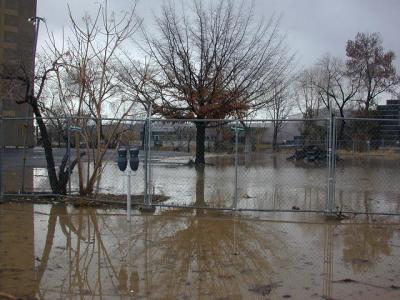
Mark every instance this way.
x=313 y=27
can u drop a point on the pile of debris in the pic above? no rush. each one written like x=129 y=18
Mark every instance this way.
x=311 y=153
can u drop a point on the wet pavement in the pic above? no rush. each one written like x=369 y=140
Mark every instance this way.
x=59 y=252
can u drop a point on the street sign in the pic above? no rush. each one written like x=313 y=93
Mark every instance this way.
x=75 y=128
x=237 y=128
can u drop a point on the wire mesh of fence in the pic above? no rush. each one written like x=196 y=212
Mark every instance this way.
x=332 y=165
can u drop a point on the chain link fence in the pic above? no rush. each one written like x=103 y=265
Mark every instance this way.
x=368 y=165
x=329 y=165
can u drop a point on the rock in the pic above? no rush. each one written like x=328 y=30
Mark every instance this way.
x=263 y=289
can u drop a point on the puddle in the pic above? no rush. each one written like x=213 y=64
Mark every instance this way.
x=59 y=252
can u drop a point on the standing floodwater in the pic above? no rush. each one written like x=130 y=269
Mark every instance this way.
x=59 y=252
x=265 y=181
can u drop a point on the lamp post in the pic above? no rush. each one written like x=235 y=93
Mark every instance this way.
x=35 y=21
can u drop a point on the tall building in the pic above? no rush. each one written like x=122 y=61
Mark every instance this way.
x=17 y=42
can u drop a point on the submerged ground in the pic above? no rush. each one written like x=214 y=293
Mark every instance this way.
x=67 y=252
x=364 y=183
x=60 y=252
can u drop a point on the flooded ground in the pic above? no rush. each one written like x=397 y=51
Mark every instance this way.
x=59 y=252
x=64 y=252
x=265 y=181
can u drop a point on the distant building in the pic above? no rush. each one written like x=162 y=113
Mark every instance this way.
x=175 y=135
x=17 y=38
x=390 y=130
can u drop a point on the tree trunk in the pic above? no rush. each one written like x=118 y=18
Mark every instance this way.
x=144 y=136
x=200 y=140
x=342 y=126
x=80 y=170
x=48 y=151
x=275 y=137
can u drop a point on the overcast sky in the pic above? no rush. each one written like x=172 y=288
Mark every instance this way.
x=313 y=27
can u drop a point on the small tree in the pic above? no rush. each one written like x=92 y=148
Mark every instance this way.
x=307 y=97
x=88 y=84
x=336 y=87
x=310 y=104
x=280 y=106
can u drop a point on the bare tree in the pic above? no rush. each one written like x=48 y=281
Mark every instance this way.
x=19 y=78
x=76 y=80
x=213 y=62
x=280 y=106
x=336 y=87
x=88 y=84
x=307 y=97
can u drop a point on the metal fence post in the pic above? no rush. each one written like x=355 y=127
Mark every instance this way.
x=330 y=200
x=328 y=196
x=145 y=148
x=22 y=190
x=334 y=147
x=236 y=164
x=150 y=185
x=128 y=198
x=147 y=161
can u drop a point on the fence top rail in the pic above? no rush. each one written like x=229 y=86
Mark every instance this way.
x=249 y=121
x=368 y=119
x=166 y=120
x=239 y=120
x=193 y=120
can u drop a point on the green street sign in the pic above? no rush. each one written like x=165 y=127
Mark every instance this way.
x=75 y=128
x=237 y=128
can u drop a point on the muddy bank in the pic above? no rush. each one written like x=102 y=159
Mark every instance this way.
x=95 y=201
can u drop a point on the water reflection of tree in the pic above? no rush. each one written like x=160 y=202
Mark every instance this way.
x=171 y=254
x=88 y=257
x=365 y=244
x=219 y=189
x=200 y=201
x=203 y=258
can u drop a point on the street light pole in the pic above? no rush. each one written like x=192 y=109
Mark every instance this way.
x=36 y=22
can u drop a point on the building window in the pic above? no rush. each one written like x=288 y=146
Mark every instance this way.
x=11 y=54
x=10 y=37
x=10 y=20
x=11 y=4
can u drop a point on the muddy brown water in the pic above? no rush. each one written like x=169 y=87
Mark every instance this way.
x=60 y=252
